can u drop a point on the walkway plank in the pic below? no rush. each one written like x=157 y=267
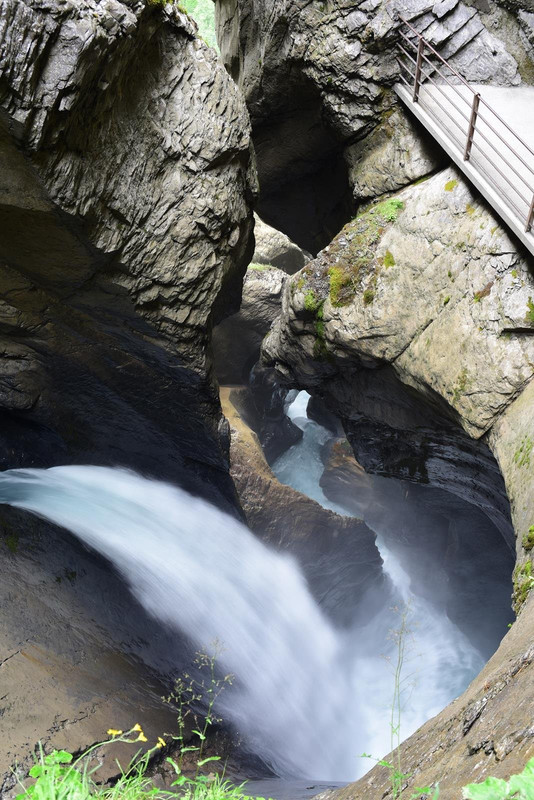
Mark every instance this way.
x=508 y=187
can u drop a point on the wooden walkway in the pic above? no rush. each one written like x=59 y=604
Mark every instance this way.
x=488 y=131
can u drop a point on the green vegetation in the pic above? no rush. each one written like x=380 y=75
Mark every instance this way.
x=523 y=581
x=339 y=280
x=450 y=185
x=60 y=776
x=460 y=387
x=368 y=297
x=356 y=259
x=447 y=300
x=514 y=273
x=311 y=301
x=203 y=12
x=528 y=539
x=398 y=777
x=470 y=209
x=389 y=261
x=518 y=787
x=523 y=452
x=529 y=316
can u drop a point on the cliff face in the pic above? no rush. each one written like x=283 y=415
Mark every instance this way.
x=125 y=230
x=317 y=78
x=415 y=326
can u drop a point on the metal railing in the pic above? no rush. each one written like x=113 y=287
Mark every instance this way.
x=476 y=117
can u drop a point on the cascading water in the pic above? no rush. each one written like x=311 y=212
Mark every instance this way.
x=202 y=572
x=441 y=660
x=308 y=698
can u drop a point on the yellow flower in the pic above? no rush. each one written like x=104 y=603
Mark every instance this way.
x=137 y=727
x=161 y=742
x=113 y=732
x=141 y=738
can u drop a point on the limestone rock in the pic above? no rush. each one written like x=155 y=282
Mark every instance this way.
x=275 y=248
x=237 y=339
x=317 y=80
x=396 y=153
x=395 y=283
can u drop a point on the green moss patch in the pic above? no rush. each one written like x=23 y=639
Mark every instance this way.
x=389 y=261
x=523 y=452
x=528 y=539
x=523 y=582
x=311 y=301
x=354 y=252
x=529 y=316
x=450 y=185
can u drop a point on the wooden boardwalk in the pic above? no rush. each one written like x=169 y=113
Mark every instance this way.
x=492 y=125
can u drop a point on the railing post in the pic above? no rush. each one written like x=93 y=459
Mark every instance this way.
x=472 y=124
x=418 y=66
x=530 y=218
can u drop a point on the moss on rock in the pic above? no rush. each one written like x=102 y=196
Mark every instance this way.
x=356 y=251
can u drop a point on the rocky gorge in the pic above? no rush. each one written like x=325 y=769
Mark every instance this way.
x=143 y=328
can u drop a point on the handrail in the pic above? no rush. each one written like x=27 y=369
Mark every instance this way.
x=472 y=116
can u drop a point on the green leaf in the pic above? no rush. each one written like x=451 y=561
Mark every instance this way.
x=58 y=757
x=491 y=789
x=524 y=784
x=213 y=758
x=36 y=771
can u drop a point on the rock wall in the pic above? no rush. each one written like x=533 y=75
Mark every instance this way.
x=415 y=325
x=317 y=79
x=125 y=229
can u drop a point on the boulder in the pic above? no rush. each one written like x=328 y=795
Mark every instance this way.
x=276 y=249
x=237 y=339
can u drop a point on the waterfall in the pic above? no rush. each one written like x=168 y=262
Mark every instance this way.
x=200 y=571
x=308 y=698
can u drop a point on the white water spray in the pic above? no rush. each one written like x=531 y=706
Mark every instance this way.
x=309 y=698
x=202 y=572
